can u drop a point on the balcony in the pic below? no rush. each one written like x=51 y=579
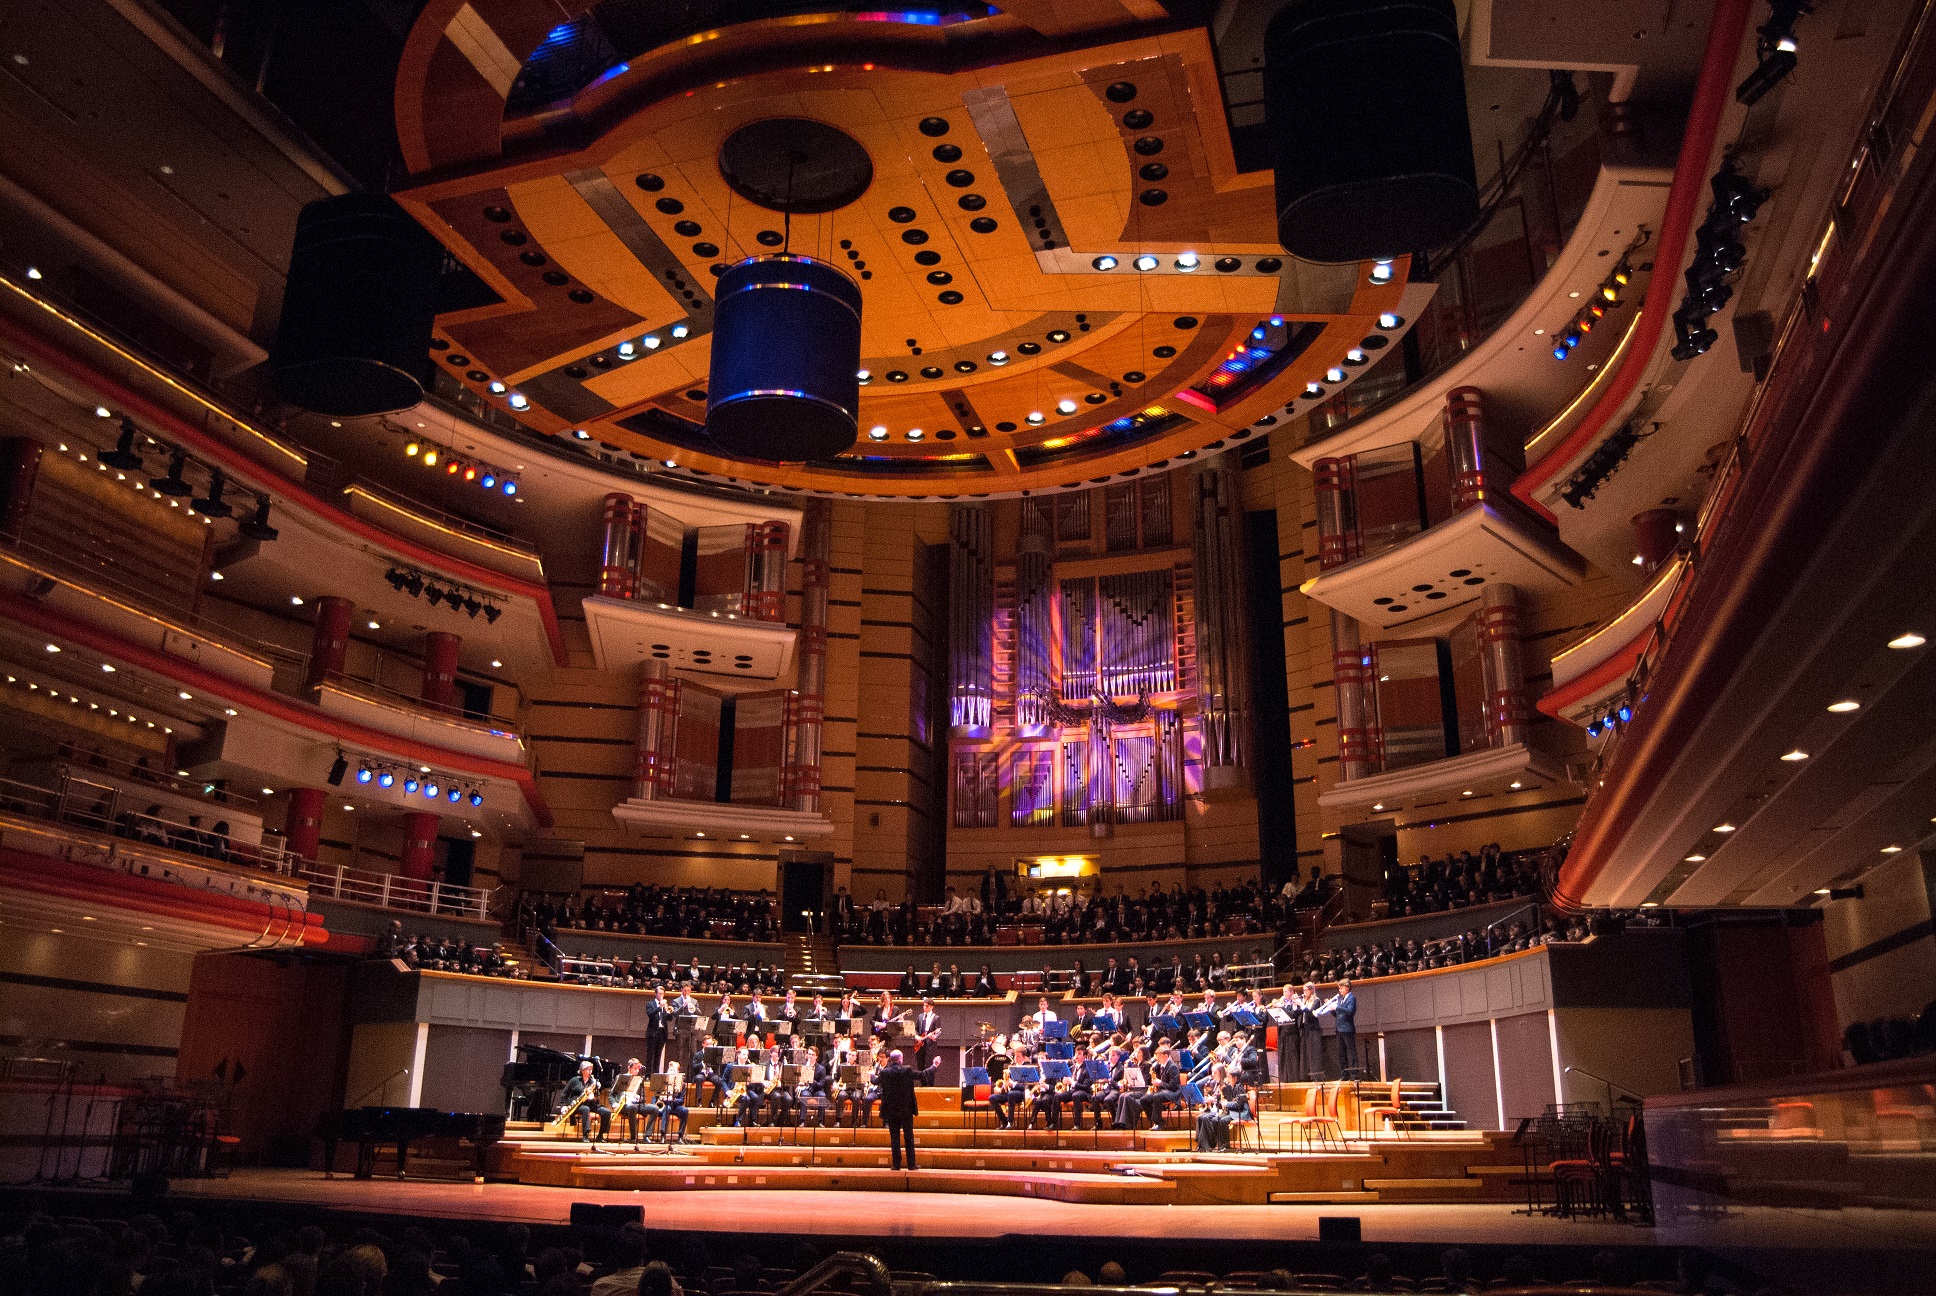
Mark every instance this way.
x=1591 y=675
x=729 y=646
x=1432 y=580
x=1488 y=771
x=369 y=703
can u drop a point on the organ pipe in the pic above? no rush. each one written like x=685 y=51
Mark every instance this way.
x=971 y=619
x=1033 y=619
x=1222 y=659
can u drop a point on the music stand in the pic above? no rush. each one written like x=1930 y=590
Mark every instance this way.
x=1055 y=1030
x=1199 y=1020
x=971 y=1078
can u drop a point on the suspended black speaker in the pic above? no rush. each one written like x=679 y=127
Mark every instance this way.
x=1364 y=101
x=784 y=385
x=356 y=315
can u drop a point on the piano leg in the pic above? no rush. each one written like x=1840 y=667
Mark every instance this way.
x=365 y=1158
x=403 y=1153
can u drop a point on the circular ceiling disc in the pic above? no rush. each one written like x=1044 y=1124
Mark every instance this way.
x=791 y=164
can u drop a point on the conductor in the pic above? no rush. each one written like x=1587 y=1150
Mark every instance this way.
x=896 y=1082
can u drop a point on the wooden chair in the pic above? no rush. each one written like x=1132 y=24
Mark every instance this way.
x=1386 y=1103
x=1324 y=1123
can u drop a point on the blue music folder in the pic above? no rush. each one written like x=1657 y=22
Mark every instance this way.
x=1192 y=1094
x=974 y=1076
x=1055 y=1070
x=1055 y=1030
x=1165 y=1022
x=1025 y=1074
x=1059 y=1049
x=1096 y=1069
x=1246 y=1018
x=1199 y=1020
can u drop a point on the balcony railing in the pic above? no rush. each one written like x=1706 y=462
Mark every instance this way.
x=394 y=891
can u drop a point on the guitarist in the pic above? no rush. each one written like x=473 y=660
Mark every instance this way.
x=927 y=1029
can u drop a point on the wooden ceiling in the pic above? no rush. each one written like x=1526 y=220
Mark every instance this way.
x=999 y=357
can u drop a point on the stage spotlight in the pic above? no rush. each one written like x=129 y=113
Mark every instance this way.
x=414 y=584
x=1767 y=75
x=472 y=606
x=212 y=504
x=257 y=527
x=1626 y=713
x=510 y=488
x=364 y=774
x=488 y=480
x=396 y=579
x=433 y=594
x=123 y=455
x=410 y=783
x=456 y=795
x=386 y=779
x=431 y=790
x=174 y=483
x=492 y=612
x=338 y=770
x=477 y=798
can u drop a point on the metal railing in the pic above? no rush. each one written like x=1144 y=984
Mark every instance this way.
x=372 y=690
x=97 y=828
x=395 y=891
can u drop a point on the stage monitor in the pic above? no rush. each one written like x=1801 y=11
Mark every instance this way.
x=1339 y=1228
x=606 y=1215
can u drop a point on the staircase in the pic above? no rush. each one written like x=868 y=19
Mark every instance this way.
x=1425 y=1108
x=811 y=966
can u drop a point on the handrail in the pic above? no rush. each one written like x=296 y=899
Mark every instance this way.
x=371 y=690
x=82 y=763
x=395 y=891
x=844 y=1264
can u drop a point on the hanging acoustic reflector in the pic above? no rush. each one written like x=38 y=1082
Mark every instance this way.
x=1364 y=101
x=354 y=338
x=784 y=384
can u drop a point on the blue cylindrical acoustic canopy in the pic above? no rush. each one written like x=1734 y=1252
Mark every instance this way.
x=1365 y=104
x=784 y=385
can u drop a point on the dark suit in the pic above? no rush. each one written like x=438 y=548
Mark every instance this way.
x=928 y=1052
x=1344 y=1017
x=896 y=1083
x=658 y=1017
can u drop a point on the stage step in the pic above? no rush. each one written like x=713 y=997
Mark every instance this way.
x=1105 y=1189
x=1340 y=1198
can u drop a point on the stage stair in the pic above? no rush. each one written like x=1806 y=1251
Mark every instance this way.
x=812 y=965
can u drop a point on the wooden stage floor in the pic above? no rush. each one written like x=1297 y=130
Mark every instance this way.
x=906 y=1213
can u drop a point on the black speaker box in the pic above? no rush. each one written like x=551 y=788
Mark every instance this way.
x=1339 y=1228
x=607 y=1216
x=1364 y=103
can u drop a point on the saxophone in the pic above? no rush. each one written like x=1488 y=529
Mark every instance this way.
x=562 y=1121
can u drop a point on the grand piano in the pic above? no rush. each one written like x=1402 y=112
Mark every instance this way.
x=532 y=1084
x=371 y=1128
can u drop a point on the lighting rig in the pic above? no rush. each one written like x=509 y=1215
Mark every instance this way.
x=129 y=460
x=421 y=780
x=436 y=590
x=1718 y=256
x=1603 y=463
x=434 y=456
x=1775 y=46
x=1614 y=718
x=1605 y=297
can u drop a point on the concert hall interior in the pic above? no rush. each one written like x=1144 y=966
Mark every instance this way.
x=1253 y=640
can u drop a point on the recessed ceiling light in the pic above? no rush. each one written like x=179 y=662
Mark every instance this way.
x=230 y=711
x=215 y=575
x=699 y=834
x=1379 y=806
x=184 y=695
x=1845 y=705
x=295 y=600
x=1515 y=784
x=268 y=791
x=375 y=626
x=102 y=411
x=1821 y=891
x=496 y=663
x=1693 y=859
x=1467 y=792
x=1724 y=827
x=1797 y=755
x=348 y=807
x=1892 y=850
x=1908 y=639
x=107 y=668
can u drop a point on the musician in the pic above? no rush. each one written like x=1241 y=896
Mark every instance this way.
x=1082 y=1023
x=1223 y=1100
x=1342 y=1008
x=671 y=1104
x=726 y=1019
x=1251 y=1069
x=898 y=1103
x=754 y=1014
x=593 y=1113
x=683 y=1004
x=927 y=1029
x=1006 y=1094
x=703 y=1075
x=884 y=1009
x=850 y=1009
x=1045 y=1099
x=629 y=1100
x=1043 y=1014
x=1166 y=1086
x=658 y=1021
x=816 y=1011
x=782 y=1103
x=1128 y=1088
x=1081 y=1092
x=1109 y=1018
x=812 y=1096
x=789 y=1009
x=856 y=1100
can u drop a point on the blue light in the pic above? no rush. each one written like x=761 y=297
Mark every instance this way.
x=455 y=796
x=1626 y=713
x=363 y=775
x=1593 y=730
x=386 y=779
x=410 y=783
x=477 y=798
x=431 y=790
x=487 y=481
x=1277 y=321
x=510 y=488
x=1258 y=333
x=1560 y=352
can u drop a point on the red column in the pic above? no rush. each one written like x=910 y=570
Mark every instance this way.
x=1465 y=446
x=419 y=844
x=1338 y=539
x=331 y=642
x=302 y=826
x=440 y=667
